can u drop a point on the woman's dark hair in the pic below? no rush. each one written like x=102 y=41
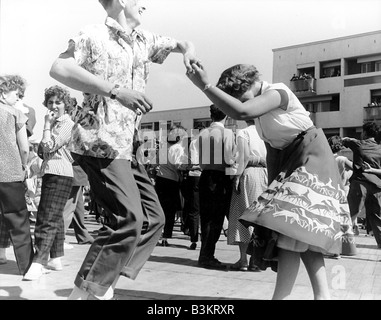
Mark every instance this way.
x=59 y=92
x=238 y=79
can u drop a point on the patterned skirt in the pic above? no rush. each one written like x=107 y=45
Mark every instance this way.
x=305 y=206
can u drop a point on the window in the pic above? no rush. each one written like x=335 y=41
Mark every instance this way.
x=352 y=66
x=306 y=72
x=367 y=67
x=363 y=64
x=377 y=66
x=322 y=103
x=330 y=69
x=201 y=123
x=146 y=126
x=375 y=98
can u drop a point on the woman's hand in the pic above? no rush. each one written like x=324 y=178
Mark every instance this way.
x=198 y=76
x=49 y=118
x=367 y=166
x=236 y=187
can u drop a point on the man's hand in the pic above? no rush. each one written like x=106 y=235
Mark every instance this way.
x=236 y=185
x=189 y=60
x=188 y=50
x=134 y=100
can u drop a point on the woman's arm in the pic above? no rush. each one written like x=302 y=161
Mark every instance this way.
x=23 y=145
x=253 y=107
x=369 y=169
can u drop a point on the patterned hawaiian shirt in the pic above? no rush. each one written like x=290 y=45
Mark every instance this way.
x=104 y=128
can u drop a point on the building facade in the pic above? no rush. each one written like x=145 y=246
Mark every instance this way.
x=337 y=80
x=189 y=118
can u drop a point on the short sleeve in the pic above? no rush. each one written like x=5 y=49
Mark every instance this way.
x=159 y=47
x=21 y=119
x=85 y=46
x=284 y=99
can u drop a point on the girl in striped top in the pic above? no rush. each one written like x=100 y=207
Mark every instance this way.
x=57 y=179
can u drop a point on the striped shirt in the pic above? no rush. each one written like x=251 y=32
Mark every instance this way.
x=56 y=157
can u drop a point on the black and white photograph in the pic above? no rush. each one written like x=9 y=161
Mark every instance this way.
x=190 y=156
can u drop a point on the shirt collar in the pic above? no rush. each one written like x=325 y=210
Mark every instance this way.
x=118 y=30
x=217 y=124
x=62 y=118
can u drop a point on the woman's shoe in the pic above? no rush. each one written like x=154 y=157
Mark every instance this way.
x=252 y=266
x=239 y=266
x=35 y=271
x=54 y=264
x=193 y=246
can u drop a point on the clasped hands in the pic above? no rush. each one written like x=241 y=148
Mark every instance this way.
x=198 y=75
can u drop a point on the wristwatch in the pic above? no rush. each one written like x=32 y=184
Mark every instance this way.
x=114 y=91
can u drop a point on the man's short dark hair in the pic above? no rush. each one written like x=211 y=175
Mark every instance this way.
x=371 y=129
x=216 y=114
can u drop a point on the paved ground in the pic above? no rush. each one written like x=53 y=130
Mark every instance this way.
x=172 y=274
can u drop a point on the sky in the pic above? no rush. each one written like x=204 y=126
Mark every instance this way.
x=224 y=32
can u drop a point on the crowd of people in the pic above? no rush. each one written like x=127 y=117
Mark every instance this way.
x=266 y=180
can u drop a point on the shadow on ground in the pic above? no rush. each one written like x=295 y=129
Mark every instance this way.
x=11 y=293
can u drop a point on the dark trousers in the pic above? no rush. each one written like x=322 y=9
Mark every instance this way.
x=362 y=193
x=49 y=233
x=133 y=222
x=168 y=192
x=15 y=217
x=215 y=193
x=191 y=211
x=74 y=213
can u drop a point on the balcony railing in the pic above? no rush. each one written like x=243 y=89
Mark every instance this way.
x=303 y=86
x=372 y=113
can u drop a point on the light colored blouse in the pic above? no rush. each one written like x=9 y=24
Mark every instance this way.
x=11 y=121
x=281 y=126
x=256 y=145
x=177 y=159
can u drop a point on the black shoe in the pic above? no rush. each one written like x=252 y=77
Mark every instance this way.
x=164 y=243
x=212 y=264
x=193 y=246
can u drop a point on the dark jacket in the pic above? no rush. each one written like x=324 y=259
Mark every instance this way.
x=369 y=151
